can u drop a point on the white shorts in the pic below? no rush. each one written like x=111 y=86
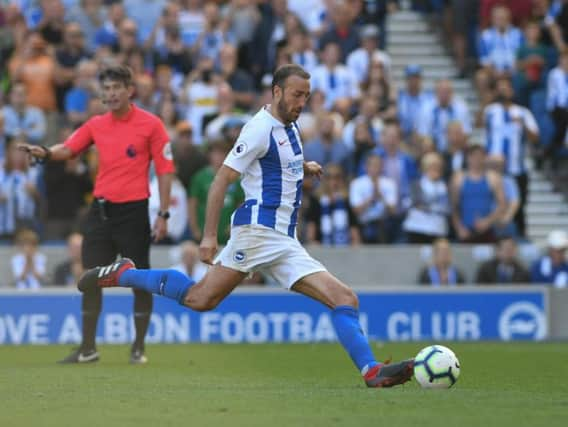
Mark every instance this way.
x=258 y=248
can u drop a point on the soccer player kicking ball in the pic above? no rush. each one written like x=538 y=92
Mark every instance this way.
x=268 y=155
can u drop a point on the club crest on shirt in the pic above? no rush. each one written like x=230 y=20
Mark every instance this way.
x=240 y=149
x=167 y=152
x=131 y=151
x=239 y=257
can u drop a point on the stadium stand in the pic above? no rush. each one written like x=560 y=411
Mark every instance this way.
x=205 y=66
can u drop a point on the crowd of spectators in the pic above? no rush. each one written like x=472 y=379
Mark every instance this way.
x=400 y=163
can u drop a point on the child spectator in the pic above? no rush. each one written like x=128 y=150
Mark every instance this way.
x=441 y=272
x=427 y=219
x=28 y=265
x=504 y=268
x=331 y=220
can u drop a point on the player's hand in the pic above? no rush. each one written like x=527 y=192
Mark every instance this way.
x=313 y=169
x=208 y=249
x=160 y=229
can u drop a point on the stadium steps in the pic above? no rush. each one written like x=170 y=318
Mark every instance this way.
x=412 y=39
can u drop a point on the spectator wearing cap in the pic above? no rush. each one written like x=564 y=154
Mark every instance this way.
x=477 y=199
x=508 y=128
x=359 y=60
x=200 y=184
x=22 y=120
x=441 y=271
x=188 y=157
x=552 y=268
x=412 y=100
x=326 y=149
x=333 y=79
x=342 y=31
x=28 y=264
x=455 y=158
x=436 y=115
x=498 y=45
x=504 y=268
x=374 y=199
x=427 y=218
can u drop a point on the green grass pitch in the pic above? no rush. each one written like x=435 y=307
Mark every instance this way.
x=279 y=385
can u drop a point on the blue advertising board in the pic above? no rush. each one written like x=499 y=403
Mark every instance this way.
x=273 y=316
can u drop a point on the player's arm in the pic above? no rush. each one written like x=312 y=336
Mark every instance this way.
x=215 y=200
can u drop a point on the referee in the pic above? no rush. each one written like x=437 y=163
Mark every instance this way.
x=127 y=138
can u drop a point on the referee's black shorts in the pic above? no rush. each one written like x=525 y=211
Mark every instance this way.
x=112 y=229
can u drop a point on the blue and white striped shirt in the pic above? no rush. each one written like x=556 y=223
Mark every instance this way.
x=500 y=49
x=557 y=90
x=15 y=202
x=270 y=158
x=410 y=107
x=435 y=118
x=505 y=135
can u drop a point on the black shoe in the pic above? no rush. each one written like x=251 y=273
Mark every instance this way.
x=390 y=374
x=137 y=356
x=81 y=356
x=105 y=276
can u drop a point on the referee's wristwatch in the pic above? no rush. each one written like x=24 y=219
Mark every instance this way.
x=164 y=214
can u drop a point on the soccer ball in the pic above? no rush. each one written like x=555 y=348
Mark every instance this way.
x=436 y=366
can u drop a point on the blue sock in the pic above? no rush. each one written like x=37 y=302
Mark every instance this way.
x=346 y=322
x=169 y=283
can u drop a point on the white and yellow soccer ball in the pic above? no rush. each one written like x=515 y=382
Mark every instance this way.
x=436 y=366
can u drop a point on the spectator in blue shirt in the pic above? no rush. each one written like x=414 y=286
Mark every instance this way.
x=22 y=120
x=107 y=34
x=77 y=99
x=552 y=268
x=326 y=148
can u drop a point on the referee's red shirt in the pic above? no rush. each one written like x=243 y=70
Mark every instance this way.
x=125 y=145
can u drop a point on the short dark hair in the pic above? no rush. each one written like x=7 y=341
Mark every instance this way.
x=118 y=73
x=285 y=71
x=475 y=147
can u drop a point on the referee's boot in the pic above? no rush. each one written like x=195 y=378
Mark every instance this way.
x=106 y=276
x=81 y=355
x=390 y=374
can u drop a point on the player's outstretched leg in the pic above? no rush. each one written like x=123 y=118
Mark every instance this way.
x=169 y=283
x=343 y=302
